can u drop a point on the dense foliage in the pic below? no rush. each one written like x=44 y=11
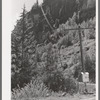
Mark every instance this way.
x=45 y=60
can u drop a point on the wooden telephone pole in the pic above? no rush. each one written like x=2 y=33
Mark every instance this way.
x=81 y=48
x=82 y=60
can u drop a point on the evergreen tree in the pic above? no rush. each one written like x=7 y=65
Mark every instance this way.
x=23 y=46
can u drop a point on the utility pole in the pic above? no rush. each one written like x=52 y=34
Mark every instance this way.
x=80 y=38
x=81 y=48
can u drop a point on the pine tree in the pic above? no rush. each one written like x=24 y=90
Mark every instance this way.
x=23 y=47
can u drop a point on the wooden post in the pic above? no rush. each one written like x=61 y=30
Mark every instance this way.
x=81 y=49
x=80 y=38
x=82 y=60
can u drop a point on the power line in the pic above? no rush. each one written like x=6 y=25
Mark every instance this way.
x=81 y=28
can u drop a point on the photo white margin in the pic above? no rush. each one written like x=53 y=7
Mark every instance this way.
x=6 y=49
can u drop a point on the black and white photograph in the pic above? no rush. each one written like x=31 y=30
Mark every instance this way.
x=53 y=50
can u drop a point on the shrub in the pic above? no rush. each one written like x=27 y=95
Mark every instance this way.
x=70 y=85
x=54 y=81
x=66 y=40
x=90 y=67
x=70 y=81
x=57 y=82
x=25 y=73
x=52 y=76
x=34 y=89
x=89 y=34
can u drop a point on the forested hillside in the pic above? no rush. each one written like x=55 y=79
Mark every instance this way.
x=46 y=55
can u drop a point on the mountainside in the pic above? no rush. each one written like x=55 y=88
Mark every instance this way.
x=46 y=47
x=57 y=12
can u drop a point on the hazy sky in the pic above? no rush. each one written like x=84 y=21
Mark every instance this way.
x=17 y=6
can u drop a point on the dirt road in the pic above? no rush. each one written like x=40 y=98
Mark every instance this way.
x=76 y=97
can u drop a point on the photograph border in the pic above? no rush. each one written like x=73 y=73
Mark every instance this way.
x=0 y=49
x=97 y=45
x=98 y=49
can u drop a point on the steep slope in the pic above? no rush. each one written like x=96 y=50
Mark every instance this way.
x=35 y=44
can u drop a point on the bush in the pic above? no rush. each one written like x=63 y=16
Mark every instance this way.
x=66 y=40
x=70 y=85
x=89 y=34
x=34 y=89
x=90 y=67
x=57 y=82
x=24 y=74
x=54 y=81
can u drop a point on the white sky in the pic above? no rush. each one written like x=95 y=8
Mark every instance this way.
x=17 y=6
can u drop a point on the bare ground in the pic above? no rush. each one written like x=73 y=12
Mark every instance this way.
x=76 y=97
